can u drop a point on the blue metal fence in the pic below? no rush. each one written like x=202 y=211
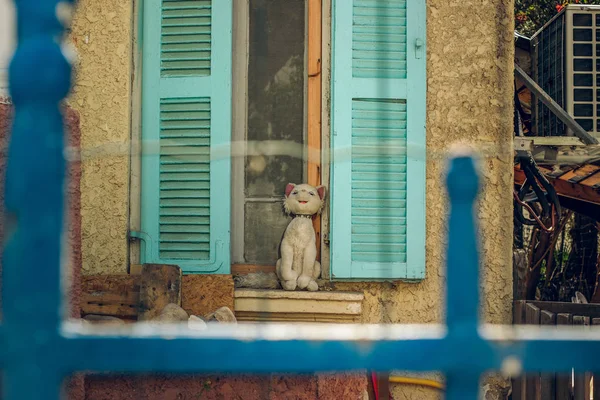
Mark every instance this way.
x=38 y=350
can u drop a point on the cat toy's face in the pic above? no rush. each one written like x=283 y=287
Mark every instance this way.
x=303 y=199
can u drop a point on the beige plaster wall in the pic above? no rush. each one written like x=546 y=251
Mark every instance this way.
x=102 y=35
x=469 y=98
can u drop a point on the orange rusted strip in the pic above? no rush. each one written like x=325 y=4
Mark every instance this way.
x=581 y=191
x=314 y=104
x=581 y=173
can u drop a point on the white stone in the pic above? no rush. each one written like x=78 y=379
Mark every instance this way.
x=196 y=323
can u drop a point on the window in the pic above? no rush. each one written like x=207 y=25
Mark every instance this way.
x=378 y=140
x=274 y=64
x=193 y=190
x=7 y=41
x=187 y=83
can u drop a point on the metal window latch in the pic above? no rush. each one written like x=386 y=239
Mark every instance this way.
x=418 y=48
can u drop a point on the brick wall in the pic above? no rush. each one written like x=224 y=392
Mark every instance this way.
x=75 y=385
x=241 y=387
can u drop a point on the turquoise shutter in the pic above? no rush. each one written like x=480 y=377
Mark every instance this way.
x=186 y=133
x=378 y=139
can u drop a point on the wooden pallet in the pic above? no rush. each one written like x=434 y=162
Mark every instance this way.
x=131 y=297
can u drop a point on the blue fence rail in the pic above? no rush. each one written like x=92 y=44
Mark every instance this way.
x=38 y=350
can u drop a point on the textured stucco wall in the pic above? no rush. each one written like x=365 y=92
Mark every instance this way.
x=102 y=35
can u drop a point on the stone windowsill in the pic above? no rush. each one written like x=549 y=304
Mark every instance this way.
x=253 y=305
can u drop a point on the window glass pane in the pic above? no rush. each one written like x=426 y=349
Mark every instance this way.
x=276 y=87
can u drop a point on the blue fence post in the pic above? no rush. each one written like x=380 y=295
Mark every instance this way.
x=462 y=272
x=39 y=79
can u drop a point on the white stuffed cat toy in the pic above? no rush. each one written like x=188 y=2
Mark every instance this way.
x=298 y=267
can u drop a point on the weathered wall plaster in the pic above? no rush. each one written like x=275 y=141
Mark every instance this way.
x=102 y=34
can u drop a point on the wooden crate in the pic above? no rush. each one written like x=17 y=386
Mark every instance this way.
x=128 y=297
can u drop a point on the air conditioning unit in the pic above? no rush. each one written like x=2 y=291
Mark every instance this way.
x=566 y=64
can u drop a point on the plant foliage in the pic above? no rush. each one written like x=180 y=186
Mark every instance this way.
x=531 y=15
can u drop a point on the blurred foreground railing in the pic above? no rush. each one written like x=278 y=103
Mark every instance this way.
x=38 y=350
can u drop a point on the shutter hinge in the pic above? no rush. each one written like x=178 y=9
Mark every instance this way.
x=326 y=239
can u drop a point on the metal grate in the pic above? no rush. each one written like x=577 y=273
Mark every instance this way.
x=184 y=232
x=549 y=68
x=567 y=67
x=581 y=66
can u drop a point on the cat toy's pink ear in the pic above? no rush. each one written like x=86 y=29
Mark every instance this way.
x=289 y=188
x=321 y=191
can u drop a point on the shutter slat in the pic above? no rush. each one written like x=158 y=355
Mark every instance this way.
x=389 y=203
x=378 y=168
x=394 y=212
x=379 y=3
x=188 y=159
x=181 y=168
x=184 y=255
x=184 y=194
x=380 y=237
x=190 y=185
x=183 y=237
x=181 y=228
x=377 y=195
x=375 y=231
x=177 y=176
x=393 y=225
x=380 y=11
x=186 y=220
x=183 y=246
x=399 y=257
